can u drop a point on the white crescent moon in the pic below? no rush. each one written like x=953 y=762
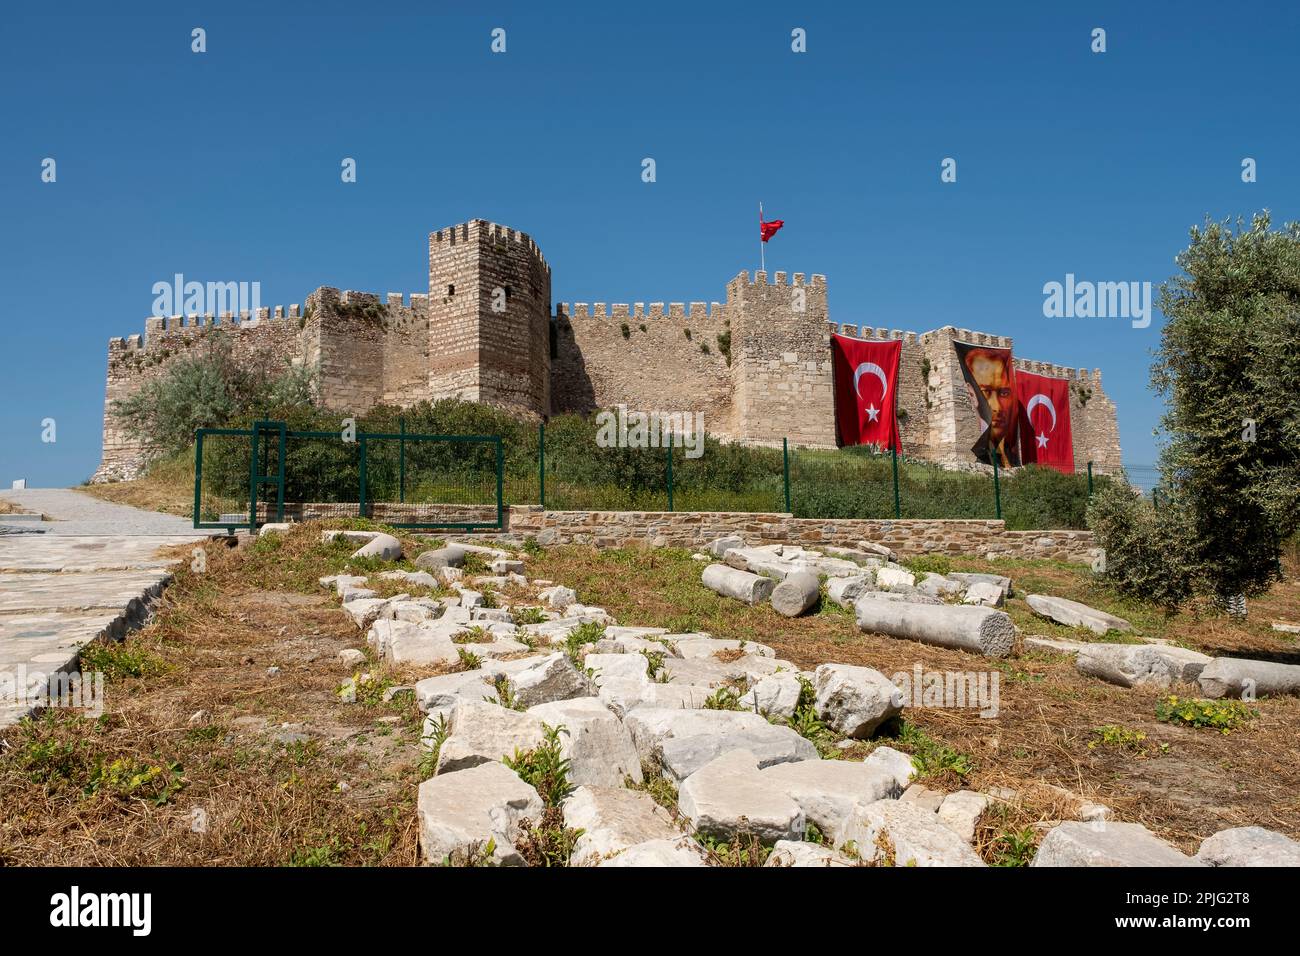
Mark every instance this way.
x=1041 y=399
x=871 y=368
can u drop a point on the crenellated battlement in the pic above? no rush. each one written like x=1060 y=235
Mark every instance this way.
x=760 y=278
x=480 y=230
x=619 y=311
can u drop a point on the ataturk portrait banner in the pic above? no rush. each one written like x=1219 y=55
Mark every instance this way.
x=991 y=387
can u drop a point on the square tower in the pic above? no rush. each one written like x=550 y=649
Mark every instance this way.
x=489 y=317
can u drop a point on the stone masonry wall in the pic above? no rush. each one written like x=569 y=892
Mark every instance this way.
x=650 y=359
x=696 y=529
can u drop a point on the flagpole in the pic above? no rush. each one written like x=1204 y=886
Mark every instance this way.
x=762 y=250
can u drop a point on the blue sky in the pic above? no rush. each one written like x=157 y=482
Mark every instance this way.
x=225 y=165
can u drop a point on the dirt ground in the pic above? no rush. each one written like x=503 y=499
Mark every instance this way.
x=206 y=757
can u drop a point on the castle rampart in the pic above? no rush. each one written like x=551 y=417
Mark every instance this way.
x=757 y=365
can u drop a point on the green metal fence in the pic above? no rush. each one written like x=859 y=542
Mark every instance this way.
x=268 y=472
x=843 y=483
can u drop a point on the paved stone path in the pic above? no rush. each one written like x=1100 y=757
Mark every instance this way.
x=90 y=575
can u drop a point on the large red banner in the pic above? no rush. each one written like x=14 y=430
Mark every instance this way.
x=866 y=386
x=1046 y=405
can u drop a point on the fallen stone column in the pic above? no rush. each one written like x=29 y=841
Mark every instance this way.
x=741 y=585
x=1235 y=676
x=964 y=627
x=1130 y=665
x=797 y=593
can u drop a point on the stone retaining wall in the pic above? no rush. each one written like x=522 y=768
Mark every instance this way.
x=695 y=529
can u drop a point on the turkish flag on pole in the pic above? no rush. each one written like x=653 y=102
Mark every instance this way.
x=766 y=230
x=866 y=388
x=1045 y=404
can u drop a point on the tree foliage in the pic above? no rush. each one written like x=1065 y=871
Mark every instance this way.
x=207 y=388
x=1229 y=368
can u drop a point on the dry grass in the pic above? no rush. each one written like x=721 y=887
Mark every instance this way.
x=8 y=507
x=1184 y=783
x=168 y=487
x=344 y=794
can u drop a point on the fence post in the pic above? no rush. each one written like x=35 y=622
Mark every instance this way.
x=997 y=487
x=541 y=464
x=785 y=466
x=361 y=495
x=898 y=508
x=253 y=472
x=670 y=472
x=198 y=474
x=401 y=462
x=1089 y=479
x=501 y=475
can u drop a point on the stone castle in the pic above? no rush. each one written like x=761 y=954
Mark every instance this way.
x=757 y=365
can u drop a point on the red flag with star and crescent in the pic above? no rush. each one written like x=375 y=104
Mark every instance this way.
x=1045 y=404
x=866 y=390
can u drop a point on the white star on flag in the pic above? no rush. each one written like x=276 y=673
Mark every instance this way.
x=873 y=412
x=1042 y=441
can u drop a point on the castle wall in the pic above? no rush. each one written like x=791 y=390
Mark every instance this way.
x=757 y=366
x=369 y=351
x=266 y=338
x=650 y=359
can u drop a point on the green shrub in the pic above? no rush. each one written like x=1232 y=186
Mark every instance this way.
x=1144 y=549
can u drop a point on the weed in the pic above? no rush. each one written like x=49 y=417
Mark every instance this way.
x=582 y=635
x=121 y=659
x=1012 y=847
x=505 y=696
x=550 y=843
x=468 y=659
x=1113 y=735
x=654 y=667
x=724 y=698
x=324 y=855
x=439 y=730
x=658 y=787
x=473 y=635
x=544 y=768
x=1221 y=715
x=921 y=564
x=128 y=779
x=930 y=757
x=529 y=615
x=746 y=849
x=366 y=689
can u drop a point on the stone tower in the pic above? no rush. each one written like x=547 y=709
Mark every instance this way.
x=781 y=360
x=489 y=317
